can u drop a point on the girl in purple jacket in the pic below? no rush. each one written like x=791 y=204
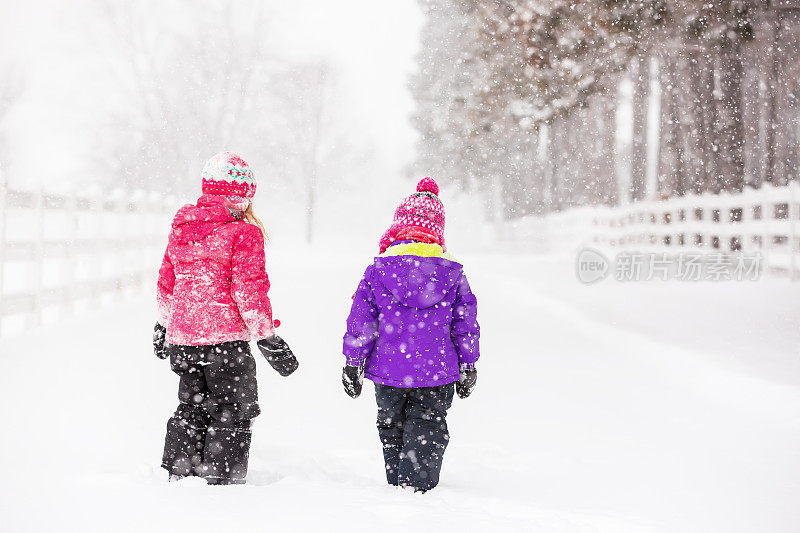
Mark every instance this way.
x=413 y=331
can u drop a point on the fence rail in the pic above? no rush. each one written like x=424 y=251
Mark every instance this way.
x=765 y=220
x=59 y=249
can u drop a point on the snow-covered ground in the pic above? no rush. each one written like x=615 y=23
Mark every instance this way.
x=665 y=407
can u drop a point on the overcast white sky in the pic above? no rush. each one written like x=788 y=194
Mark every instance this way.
x=48 y=43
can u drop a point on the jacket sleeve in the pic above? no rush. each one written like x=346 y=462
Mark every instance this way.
x=249 y=282
x=465 y=330
x=164 y=288
x=362 y=324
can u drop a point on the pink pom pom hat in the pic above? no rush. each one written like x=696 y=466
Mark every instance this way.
x=419 y=217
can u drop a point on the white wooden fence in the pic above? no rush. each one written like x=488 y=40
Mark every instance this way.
x=765 y=220
x=61 y=251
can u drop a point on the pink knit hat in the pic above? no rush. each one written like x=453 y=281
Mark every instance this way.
x=419 y=217
x=227 y=174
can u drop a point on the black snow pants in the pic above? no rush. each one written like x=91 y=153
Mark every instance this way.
x=209 y=434
x=413 y=430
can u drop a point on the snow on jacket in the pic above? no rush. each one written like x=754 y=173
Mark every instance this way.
x=212 y=285
x=414 y=318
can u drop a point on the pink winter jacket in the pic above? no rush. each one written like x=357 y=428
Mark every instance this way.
x=212 y=285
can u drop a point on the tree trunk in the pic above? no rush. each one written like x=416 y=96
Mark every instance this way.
x=608 y=127
x=311 y=198
x=554 y=151
x=641 y=93
x=571 y=153
x=666 y=142
x=715 y=166
x=677 y=130
x=753 y=162
x=732 y=73
x=773 y=84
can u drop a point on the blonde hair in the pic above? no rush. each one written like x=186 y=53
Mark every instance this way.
x=250 y=216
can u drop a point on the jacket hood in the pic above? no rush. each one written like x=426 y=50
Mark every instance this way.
x=417 y=281
x=194 y=223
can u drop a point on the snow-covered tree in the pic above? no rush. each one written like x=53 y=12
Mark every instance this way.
x=503 y=82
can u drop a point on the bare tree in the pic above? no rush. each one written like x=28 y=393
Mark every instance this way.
x=11 y=89
x=302 y=91
x=190 y=90
x=310 y=138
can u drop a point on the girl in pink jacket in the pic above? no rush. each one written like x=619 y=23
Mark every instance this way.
x=212 y=300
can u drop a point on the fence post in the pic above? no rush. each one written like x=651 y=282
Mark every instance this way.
x=37 y=268
x=69 y=268
x=765 y=214
x=3 y=211
x=794 y=218
x=122 y=214
x=96 y=252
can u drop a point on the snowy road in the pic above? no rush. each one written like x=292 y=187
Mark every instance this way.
x=586 y=417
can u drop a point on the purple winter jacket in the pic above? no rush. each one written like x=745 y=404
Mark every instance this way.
x=413 y=319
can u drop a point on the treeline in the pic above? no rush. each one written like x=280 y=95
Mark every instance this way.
x=542 y=105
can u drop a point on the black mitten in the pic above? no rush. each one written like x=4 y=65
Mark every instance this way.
x=353 y=379
x=159 y=341
x=468 y=379
x=278 y=355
